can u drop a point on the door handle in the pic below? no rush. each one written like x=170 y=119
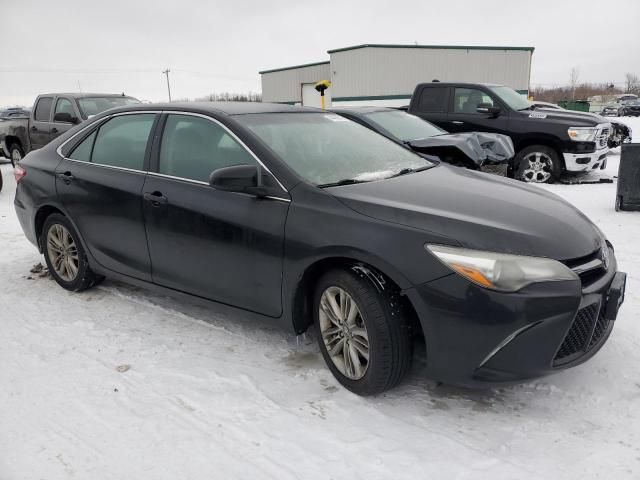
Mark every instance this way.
x=156 y=199
x=457 y=122
x=66 y=177
x=54 y=130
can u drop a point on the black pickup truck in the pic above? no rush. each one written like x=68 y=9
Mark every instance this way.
x=51 y=116
x=546 y=142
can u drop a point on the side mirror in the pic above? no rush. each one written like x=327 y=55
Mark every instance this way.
x=65 y=117
x=488 y=109
x=242 y=178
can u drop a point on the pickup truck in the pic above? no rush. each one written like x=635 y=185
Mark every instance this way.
x=547 y=143
x=51 y=116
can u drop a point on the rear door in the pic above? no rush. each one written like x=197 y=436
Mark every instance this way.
x=40 y=124
x=224 y=246
x=63 y=105
x=100 y=185
x=431 y=104
x=463 y=115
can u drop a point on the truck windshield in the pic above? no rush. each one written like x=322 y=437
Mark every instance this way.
x=327 y=149
x=511 y=98
x=90 y=106
x=404 y=126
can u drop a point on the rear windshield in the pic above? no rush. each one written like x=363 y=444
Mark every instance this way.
x=327 y=148
x=90 y=106
x=403 y=125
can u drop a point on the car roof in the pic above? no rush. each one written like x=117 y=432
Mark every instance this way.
x=226 y=108
x=468 y=84
x=355 y=110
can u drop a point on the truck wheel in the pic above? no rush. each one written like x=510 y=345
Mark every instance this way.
x=538 y=164
x=362 y=332
x=15 y=154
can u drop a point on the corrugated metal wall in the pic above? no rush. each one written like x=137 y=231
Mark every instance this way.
x=396 y=71
x=285 y=85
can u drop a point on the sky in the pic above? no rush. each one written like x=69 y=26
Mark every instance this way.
x=218 y=46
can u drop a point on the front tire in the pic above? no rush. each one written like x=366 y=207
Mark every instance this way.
x=538 y=164
x=65 y=256
x=15 y=154
x=362 y=332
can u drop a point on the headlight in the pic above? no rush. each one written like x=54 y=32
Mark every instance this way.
x=582 y=134
x=498 y=271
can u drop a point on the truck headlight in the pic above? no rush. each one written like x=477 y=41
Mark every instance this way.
x=499 y=271
x=582 y=134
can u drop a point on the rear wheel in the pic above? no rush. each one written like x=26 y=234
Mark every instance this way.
x=538 y=164
x=362 y=332
x=15 y=154
x=65 y=256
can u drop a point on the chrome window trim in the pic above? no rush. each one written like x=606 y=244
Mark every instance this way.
x=205 y=184
x=168 y=112
x=234 y=136
x=113 y=167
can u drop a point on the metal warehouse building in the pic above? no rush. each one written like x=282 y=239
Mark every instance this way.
x=387 y=74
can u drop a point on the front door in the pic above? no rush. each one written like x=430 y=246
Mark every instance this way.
x=223 y=246
x=40 y=125
x=100 y=185
x=464 y=117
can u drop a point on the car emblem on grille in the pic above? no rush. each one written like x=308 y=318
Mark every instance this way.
x=605 y=256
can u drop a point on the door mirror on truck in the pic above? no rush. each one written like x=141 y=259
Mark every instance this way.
x=489 y=109
x=65 y=117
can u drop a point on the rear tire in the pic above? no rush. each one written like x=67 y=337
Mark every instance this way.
x=385 y=357
x=65 y=256
x=538 y=164
x=15 y=154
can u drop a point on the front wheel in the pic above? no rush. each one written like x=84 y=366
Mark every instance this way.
x=15 y=154
x=538 y=164
x=362 y=332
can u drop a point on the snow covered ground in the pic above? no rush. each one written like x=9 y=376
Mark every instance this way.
x=119 y=383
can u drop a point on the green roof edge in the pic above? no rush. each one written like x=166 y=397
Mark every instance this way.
x=293 y=67
x=433 y=47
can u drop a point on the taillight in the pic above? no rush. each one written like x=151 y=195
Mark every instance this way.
x=19 y=173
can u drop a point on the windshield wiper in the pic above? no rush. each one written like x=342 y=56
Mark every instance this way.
x=344 y=181
x=406 y=171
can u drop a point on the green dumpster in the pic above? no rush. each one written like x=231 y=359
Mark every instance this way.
x=578 y=105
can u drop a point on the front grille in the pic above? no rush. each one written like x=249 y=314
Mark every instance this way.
x=603 y=136
x=589 y=268
x=586 y=332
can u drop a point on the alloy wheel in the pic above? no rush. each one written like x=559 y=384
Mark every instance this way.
x=63 y=253
x=16 y=156
x=538 y=167
x=344 y=333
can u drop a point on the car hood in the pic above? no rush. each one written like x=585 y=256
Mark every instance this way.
x=478 y=211
x=570 y=118
x=480 y=147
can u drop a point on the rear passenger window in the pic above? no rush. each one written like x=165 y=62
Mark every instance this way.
x=83 y=150
x=193 y=147
x=122 y=141
x=433 y=100
x=43 y=109
x=466 y=100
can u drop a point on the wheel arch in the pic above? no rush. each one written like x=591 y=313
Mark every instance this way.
x=301 y=304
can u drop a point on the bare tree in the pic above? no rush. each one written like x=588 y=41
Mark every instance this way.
x=632 y=83
x=575 y=76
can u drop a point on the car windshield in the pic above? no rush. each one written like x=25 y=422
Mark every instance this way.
x=90 y=106
x=403 y=125
x=327 y=149
x=511 y=98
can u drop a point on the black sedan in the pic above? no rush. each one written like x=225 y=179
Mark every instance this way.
x=305 y=217
x=471 y=150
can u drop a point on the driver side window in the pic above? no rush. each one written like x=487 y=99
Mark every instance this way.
x=466 y=100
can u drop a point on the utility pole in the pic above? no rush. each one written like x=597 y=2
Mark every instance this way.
x=166 y=72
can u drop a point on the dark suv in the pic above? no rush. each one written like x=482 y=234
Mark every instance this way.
x=546 y=142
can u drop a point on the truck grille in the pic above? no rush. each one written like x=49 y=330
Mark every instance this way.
x=603 y=136
x=587 y=331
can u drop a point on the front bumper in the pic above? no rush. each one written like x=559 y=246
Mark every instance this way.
x=580 y=162
x=478 y=337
